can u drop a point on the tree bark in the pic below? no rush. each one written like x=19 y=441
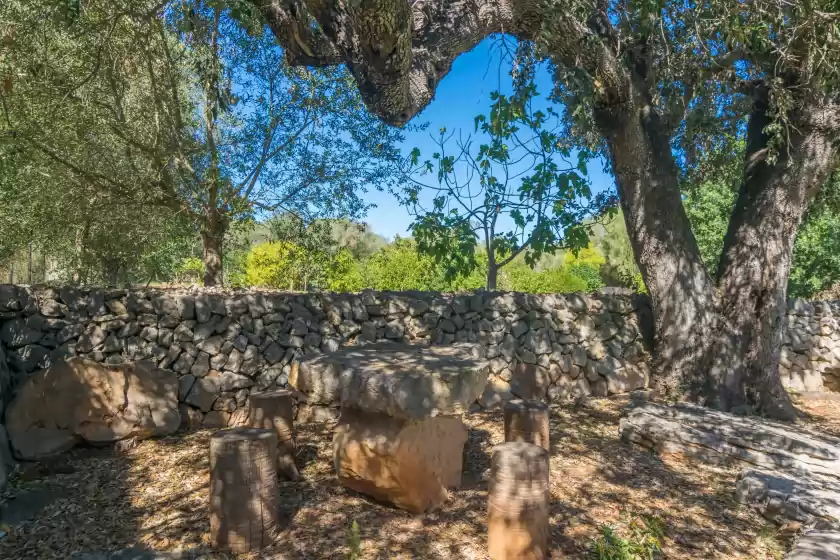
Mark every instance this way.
x=681 y=290
x=492 y=272
x=212 y=258
x=755 y=265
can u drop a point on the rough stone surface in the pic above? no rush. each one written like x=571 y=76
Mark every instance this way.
x=91 y=402
x=791 y=473
x=408 y=463
x=195 y=332
x=816 y=545
x=402 y=381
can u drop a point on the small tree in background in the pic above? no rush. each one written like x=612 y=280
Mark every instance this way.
x=521 y=175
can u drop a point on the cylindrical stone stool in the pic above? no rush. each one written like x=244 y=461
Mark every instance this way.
x=527 y=421
x=275 y=410
x=518 y=502
x=244 y=498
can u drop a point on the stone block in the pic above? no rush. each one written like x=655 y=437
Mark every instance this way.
x=409 y=463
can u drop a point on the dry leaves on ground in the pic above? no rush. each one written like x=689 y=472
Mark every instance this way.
x=154 y=496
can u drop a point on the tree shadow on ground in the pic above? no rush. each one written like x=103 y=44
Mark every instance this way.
x=155 y=497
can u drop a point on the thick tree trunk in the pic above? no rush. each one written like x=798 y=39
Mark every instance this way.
x=681 y=290
x=755 y=264
x=212 y=237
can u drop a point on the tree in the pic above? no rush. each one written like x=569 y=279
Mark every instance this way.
x=652 y=85
x=275 y=264
x=522 y=173
x=87 y=231
x=204 y=119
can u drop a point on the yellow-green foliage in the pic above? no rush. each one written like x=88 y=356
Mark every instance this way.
x=344 y=273
x=274 y=264
x=191 y=270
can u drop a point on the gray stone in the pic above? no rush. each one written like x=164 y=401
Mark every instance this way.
x=567 y=389
x=399 y=380
x=149 y=333
x=218 y=361
x=203 y=331
x=204 y=393
x=625 y=379
x=29 y=358
x=51 y=308
x=530 y=382
x=15 y=334
x=579 y=357
x=418 y=307
x=183 y=333
x=267 y=378
x=447 y=326
x=330 y=345
x=183 y=363
x=299 y=327
x=69 y=332
x=186 y=306
x=230 y=381
x=234 y=361
x=816 y=545
x=112 y=344
x=599 y=387
x=241 y=342
x=185 y=383
x=201 y=366
x=312 y=340
x=212 y=345
x=496 y=393
x=116 y=307
x=527 y=357
x=273 y=354
x=519 y=328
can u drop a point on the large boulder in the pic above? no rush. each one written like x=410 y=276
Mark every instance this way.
x=402 y=381
x=82 y=400
x=409 y=463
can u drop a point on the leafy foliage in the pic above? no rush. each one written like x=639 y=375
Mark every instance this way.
x=275 y=264
x=636 y=538
x=521 y=173
x=205 y=122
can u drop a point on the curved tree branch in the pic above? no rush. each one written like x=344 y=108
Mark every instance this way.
x=399 y=51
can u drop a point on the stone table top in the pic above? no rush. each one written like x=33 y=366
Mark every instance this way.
x=403 y=381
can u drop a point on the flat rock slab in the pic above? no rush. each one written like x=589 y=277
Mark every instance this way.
x=816 y=545
x=717 y=437
x=813 y=499
x=402 y=381
x=791 y=473
x=409 y=463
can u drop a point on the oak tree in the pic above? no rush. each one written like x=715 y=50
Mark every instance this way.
x=651 y=84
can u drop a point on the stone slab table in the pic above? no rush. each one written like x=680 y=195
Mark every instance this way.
x=400 y=436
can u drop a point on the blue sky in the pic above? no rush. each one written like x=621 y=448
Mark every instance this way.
x=463 y=94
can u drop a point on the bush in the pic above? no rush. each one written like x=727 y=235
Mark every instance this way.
x=274 y=264
x=637 y=538
x=191 y=270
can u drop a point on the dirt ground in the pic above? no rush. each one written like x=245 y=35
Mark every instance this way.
x=154 y=496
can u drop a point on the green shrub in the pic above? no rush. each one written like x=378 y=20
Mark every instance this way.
x=637 y=538
x=354 y=542
x=191 y=270
x=274 y=264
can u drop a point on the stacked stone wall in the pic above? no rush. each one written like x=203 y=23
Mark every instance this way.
x=225 y=344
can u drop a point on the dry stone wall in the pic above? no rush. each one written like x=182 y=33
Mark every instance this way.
x=225 y=344
x=811 y=352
